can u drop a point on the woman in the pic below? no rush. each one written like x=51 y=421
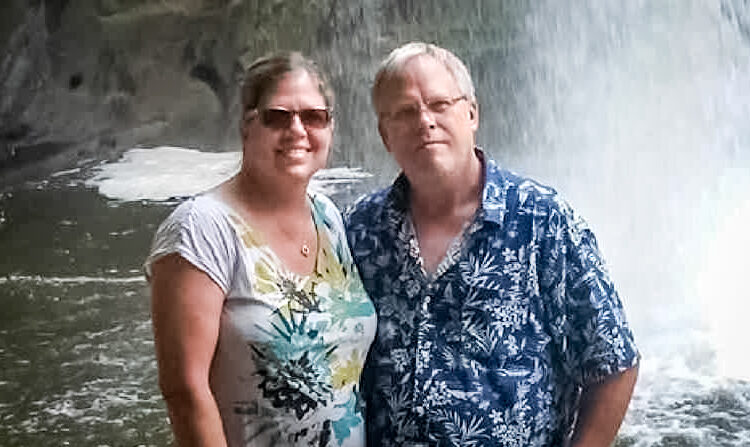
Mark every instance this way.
x=260 y=319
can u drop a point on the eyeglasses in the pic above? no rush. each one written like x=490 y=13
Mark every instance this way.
x=282 y=118
x=410 y=113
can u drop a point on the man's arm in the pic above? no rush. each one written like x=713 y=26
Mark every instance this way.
x=603 y=407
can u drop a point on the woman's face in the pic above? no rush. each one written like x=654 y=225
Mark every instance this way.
x=283 y=146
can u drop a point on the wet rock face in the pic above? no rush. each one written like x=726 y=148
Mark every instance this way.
x=86 y=79
x=101 y=75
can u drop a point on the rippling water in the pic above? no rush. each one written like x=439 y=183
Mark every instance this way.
x=75 y=338
x=78 y=364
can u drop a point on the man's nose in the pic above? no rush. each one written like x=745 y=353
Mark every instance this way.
x=426 y=116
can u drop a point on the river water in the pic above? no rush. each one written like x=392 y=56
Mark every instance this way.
x=636 y=111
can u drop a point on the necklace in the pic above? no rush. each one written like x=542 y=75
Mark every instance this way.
x=306 y=247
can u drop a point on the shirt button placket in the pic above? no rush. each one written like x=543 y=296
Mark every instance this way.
x=423 y=367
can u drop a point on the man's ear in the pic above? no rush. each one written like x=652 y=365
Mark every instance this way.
x=474 y=115
x=383 y=135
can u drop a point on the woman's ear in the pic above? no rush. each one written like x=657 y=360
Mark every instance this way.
x=332 y=127
x=247 y=116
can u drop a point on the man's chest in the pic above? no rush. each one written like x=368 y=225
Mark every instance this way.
x=488 y=291
x=469 y=344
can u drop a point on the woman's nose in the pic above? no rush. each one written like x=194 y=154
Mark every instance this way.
x=296 y=124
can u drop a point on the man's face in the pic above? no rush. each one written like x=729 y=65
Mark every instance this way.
x=425 y=121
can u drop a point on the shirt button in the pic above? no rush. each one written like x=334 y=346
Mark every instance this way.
x=426 y=303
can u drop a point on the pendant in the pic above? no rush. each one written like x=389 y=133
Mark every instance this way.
x=305 y=250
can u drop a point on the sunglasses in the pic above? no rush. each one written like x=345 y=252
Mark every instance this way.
x=282 y=119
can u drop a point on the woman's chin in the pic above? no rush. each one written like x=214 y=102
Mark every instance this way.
x=300 y=173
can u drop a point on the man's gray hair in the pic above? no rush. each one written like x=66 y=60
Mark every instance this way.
x=393 y=65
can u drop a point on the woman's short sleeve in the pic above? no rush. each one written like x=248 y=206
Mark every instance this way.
x=199 y=231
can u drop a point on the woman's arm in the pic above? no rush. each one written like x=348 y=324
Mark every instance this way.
x=603 y=407
x=185 y=309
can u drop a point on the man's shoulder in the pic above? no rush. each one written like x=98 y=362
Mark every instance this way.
x=368 y=206
x=504 y=185
x=507 y=178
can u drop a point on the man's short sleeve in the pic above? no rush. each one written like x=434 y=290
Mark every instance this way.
x=588 y=320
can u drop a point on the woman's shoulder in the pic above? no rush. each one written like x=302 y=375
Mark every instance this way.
x=198 y=230
x=324 y=207
x=328 y=216
x=323 y=201
x=197 y=215
x=201 y=207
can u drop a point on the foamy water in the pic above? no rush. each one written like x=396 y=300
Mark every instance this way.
x=166 y=172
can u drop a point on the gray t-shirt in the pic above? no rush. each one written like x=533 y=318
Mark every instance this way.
x=291 y=348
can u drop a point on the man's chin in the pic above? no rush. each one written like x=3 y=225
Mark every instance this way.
x=432 y=145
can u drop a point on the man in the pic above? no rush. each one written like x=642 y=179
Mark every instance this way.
x=498 y=323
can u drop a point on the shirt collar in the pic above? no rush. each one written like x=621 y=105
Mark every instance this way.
x=494 y=191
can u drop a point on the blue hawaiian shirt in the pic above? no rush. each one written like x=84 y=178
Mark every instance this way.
x=494 y=347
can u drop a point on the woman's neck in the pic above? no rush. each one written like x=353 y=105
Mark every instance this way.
x=280 y=214
x=260 y=196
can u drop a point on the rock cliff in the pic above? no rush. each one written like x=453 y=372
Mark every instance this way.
x=86 y=79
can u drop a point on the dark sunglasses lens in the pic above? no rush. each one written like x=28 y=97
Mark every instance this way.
x=317 y=118
x=281 y=119
x=276 y=118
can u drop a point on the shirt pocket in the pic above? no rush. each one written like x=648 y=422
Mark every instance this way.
x=494 y=322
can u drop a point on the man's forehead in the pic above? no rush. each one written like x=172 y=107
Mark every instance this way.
x=417 y=66
x=414 y=74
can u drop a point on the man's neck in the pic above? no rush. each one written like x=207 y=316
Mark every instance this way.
x=443 y=196
x=441 y=211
